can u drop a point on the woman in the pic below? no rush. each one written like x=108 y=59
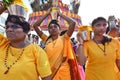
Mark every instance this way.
x=55 y=46
x=20 y=60
x=114 y=32
x=101 y=52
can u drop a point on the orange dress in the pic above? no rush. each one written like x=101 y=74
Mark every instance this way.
x=99 y=66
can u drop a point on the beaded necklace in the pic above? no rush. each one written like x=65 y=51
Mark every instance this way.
x=5 y=60
x=104 y=50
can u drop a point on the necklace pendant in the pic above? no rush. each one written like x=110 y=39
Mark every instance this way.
x=6 y=71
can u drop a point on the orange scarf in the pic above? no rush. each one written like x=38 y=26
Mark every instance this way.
x=74 y=70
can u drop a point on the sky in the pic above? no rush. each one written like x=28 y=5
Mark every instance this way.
x=90 y=9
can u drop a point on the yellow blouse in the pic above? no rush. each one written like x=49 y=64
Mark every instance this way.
x=99 y=66
x=32 y=64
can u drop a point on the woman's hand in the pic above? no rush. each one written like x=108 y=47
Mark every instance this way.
x=59 y=13
x=79 y=37
x=80 y=50
x=49 y=10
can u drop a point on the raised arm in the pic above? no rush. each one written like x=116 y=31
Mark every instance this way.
x=38 y=22
x=70 y=21
x=80 y=50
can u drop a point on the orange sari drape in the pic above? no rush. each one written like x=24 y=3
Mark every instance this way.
x=74 y=70
x=62 y=59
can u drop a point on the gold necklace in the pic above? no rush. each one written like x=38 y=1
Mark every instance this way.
x=53 y=43
x=5 y=60
x=104 y=50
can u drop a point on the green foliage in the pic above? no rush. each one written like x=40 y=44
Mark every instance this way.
x=7 y=2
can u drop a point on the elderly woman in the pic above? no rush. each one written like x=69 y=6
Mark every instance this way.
x=19 y=59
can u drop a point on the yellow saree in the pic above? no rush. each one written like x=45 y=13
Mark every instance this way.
x=62 y=60
x=58 y=61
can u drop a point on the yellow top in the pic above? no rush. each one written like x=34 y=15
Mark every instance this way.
x=32 y=64
x=99 y=66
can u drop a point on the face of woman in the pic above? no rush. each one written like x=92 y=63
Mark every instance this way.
x=114 y=32
x=53 y=29
x=14 y=32
x=99 y=28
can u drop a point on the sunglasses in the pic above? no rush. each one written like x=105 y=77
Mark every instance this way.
x=13 y=27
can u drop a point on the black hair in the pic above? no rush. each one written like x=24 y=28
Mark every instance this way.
x=98 y=19
x=106 y=39
x=107 y=30
x=54 y=22
x=36 y=37
x=18 y=20
x=73 y=41
x=63 y=32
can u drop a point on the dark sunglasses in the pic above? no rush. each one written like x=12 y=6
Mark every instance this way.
x=13 y=27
